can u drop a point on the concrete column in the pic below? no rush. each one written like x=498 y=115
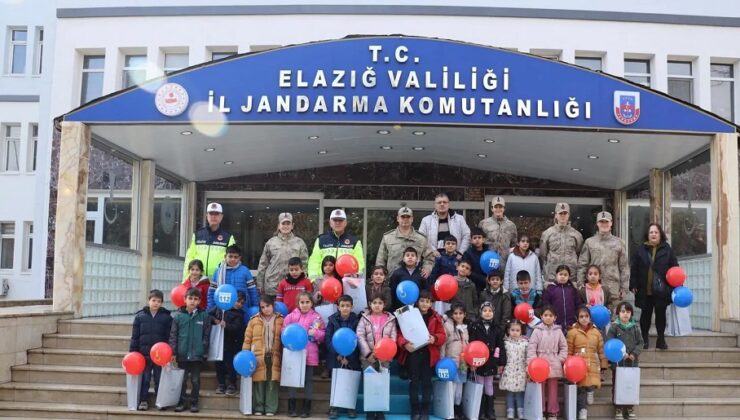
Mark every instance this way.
x=189 y=218
x=69 y=238
x=667 y=204
x=146 y=225
x=620 y=215
x=656 y=196
x=726 y=242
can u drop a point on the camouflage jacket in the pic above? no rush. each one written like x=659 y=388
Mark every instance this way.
x=501 y=236
x=610 y=255
x=390 y=252
x=274 y=260
x=560 y=244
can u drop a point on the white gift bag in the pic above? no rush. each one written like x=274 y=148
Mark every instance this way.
x=627 y=386
x=472 y=395
x=443 y=404
x=293 y=369
x=133 y=388
x=170 y=385
x=678 y=321
x=355 y=288
x=570 y=393
x=533 y=401
x=326 y=311
x=216 y=347
x=412 y=325
x=245 y=395
x=345 y=384
x=441 y=307
x=376 y=390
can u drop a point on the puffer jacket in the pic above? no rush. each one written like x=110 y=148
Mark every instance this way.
x=309 y=320
x=608 y=253
x=458 y=228
x=473 y=255
x=254 y=341
x=190 y=335
x=394 y=243
x=501 y=302
x=336 y=322
x=500 y=236
x=665 y=258
x=233 y=329
x=238 y=276
x=560 y=244
x=149 y=330
x=494 y=339
x=203 y=285
x=274 y=260
x=529 y=263
x=588 y=344
x=402 y=274
x=458 y=337
x=467 y=296
x=565 y=299
x=366 y=334
x=514 y=377
x=436 y=328
x=549 y=343
x=445 y=264
x=534 y=298
x=631 y=336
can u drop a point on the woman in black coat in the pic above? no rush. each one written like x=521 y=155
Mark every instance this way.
x=648 y=268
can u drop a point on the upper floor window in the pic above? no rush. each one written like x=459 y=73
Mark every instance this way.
x=593 y=63
x=17 y=51
x=7 y=243
x=217 y=55
x=92 y=77
x=681 y=80
x=134 y=70
x=174 y=62
x=723 y=90
x=637 y=71
x=11 y=142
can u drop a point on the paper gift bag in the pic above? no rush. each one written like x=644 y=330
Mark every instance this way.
x=216 y=347
x=133 y=388
x=570 y=393
x=345 y=383
x=627 y=386
x=293 y=369
x=441 y=307
x=355 y=288
x=245 y=395
x=412 y=325
x=472 y=395
x=443 y=404
x=678 y=321
x=326 y=311
x=170 y=385
x=533 y=401
x=376 y=390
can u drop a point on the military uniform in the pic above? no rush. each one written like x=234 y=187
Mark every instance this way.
x=274 y=260
x=500 y=236
x=560 y=244
x=390 y=252
x=608 y=253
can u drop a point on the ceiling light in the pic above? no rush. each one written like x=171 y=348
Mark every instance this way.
x=386 y=147
x=229 y=162
x=489 y=141
x=186 y=133
x=614 y=141
x=313 y=137
x=419 y=133
x=575 y=169
x=418 y=148
x=593 y=157
x=322 y=152
x=210 y=149
x=384 y=132
x=482 y=155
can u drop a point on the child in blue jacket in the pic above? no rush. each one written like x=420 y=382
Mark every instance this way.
x=236 y=274
x=447 y=261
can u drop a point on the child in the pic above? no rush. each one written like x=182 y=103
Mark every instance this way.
x=548 y=342
x=456 y=329
x=410 y=269
x=626 y=329
x=524 y=292
x=563 y=296
x=592 y=293
x=466 y=293
x=446 y=263
x=522 y=258
x=473 y=254
x=262 y=338
x=499 y=299
x=306 y=317
x=488 y=330
x=420 y=362
x=328 y=269
x=378 y=286
x=514 y=378
x=189 y=338
x=344 y=318
x=198 y=280
x=586 y=341
x=236 y=274
x=233 y=323
x=293 y=284
x=151 y=326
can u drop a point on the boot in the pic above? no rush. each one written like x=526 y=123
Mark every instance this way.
x=482 y=415
x=661 y=344
x=291 y=408
x=646 y=339
x=415 y=412
x=458 y=412
x=490 y=409
x=306 y=408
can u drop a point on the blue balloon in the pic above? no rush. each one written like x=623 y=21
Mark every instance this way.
x=225 y=296
x=600 y=315
x=294 y=337
x=682 y=296
x=490 y=261
x=245 y=363
x=614 y=350
x=407 y=292
x=252 y=311
x=446 y=369
x=344 y=341
x=281 y=308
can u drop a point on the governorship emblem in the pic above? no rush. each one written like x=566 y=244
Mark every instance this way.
x=171 y=99
x=626 y=107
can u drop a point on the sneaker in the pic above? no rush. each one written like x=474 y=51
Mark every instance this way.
x=231 y=390
x=520 y=413
x=257 y=413
x=220 y=389
x=143 y=406
x=631 y=413
x=618 y=413
x=333 y=413
x=194 y=408
x=180 y=408
x=351 y=414
x=269 y=414
x=509 y=413
x=552 y=417
x=590 y=397
x=325 y=374
x=582 y=414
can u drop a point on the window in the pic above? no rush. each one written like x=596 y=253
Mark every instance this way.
x=92 y=77
x=17 y=50
x=217 y=55
x=27 y=245
x=593 y=63
x=174 y=62
x=7 y=243
x=680 y=80
x=10 y=148
x=33 y=145
x=38 y=54
x=723 y=87
x=637 y=71
x=134 y=70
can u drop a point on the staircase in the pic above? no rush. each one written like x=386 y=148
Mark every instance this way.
x=77 y=374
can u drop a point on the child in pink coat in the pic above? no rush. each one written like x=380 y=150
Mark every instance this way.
x=311 y=321
x=548 y=342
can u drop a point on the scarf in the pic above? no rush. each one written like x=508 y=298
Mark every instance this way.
x=653 y=251
x=269 y=334
x=629 y=325
x=594 y=295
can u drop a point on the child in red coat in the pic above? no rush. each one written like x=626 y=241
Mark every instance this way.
x=293 y=284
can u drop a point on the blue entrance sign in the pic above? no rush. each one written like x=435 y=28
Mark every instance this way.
x=399 y=80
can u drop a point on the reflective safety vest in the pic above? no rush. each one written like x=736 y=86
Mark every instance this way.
x=331 y=244
x=209 y=246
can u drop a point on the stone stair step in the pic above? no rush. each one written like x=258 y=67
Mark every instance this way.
x=685 y=388
x=692 y=355
x=86 y=342
x=75 y=357
x=690 y=370
x=95 y=326
x=700 y=338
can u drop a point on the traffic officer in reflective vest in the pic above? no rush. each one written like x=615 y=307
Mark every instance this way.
x=209 y=243
x=335 y=243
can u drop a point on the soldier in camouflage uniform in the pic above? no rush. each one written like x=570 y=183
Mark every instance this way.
x=390 y=252
x=608 y=253
x=278 y=250
x=560 y=244
x=500 y=232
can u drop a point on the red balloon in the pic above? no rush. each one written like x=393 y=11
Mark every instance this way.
x=347 y=264
x=161 y=354
x=434 y=294
x=385 y=349
x=575 y=368
x=133 y=363
x=476 y=353
x=177 y=295
x=523 y=312
x=538 y=369
x=446 y=287
x=675 y=276
x=331 y=289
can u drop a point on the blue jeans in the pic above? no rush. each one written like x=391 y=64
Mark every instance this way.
x=146 y=377
x=514 y=400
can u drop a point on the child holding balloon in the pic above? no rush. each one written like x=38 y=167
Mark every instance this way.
x=592 y=293
x=335 y=358
x=585 y=340
x=514 y=378
x=293 y=284
x=409 y=269
x=330 y=274
x=456 y=329
x=548 y=342
x=198 y=280
x=262 y=338
x=488 y=330
x=626 y=330
x=233 y=322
